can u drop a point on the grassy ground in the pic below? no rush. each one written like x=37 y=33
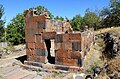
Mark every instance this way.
x=95 y=58
x=113 y=29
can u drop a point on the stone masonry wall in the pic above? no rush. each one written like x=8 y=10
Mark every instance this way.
x=69 y=48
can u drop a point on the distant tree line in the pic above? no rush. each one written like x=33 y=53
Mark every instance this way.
x=107 y=17
x=2 y=22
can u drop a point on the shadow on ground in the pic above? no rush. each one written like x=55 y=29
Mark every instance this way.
x=22 y=58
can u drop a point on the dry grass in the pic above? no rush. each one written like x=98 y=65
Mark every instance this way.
x=113 y=29
x=114 y=64
x=93 y=58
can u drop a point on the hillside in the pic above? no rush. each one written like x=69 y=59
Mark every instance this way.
x=105 y=51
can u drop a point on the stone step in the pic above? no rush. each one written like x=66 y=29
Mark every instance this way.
x=53 y=66
x=35 y=68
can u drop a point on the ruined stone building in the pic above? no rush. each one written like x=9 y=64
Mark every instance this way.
x=53 y=41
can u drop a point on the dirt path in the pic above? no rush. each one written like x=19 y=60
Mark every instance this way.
x=10 y=69
x=15 y=72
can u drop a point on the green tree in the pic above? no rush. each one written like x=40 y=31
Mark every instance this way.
x=40 y=9
x=115 y=12
x=59 y=18
x=91 y=19
x=113 y=17
x=104 y=12
x=2 y=22
x=76 y=22
x=15 y=30
x=56 y=18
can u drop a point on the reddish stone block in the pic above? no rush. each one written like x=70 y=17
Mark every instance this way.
x=75 y=54
x=27 y=51
x=75 y=36
x=33 y=52
x=62 y=53
x=58 y=60
x=30 y=45
x=40 y=45
x=31 y=29
x=32 y=26
x=70 y=62
x=49 y=35
x=65 y=37
x=59 y=53
x=30 y=52
x=39 y=18
x=30 y=38
x=67 y=54
x=41 y=25
x=27 y=24
x=67 y=46
x=30 y=33
x=31 y=57
x=43 y=59
x=58 y=46
x=38 y=38
x=40 y=30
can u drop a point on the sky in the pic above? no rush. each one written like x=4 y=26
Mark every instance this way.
x=68 y=8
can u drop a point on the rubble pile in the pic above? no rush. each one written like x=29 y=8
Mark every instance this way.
x=111 y=52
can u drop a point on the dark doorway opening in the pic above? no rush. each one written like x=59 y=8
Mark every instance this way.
x=48 y=45
x=22 y=58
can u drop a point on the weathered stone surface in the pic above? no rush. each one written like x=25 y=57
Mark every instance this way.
x=45 y=36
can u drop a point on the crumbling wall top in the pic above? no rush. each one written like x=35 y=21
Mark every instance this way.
x=32 y=13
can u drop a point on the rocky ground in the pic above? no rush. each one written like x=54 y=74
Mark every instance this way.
x=10 y=68
x=106 y=50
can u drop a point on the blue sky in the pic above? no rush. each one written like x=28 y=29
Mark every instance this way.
x=68 y=8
